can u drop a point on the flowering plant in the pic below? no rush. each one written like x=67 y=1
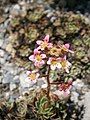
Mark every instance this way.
x=55 y=58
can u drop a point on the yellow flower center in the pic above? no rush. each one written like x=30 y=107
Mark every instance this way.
x=63 y=63
x=53 y=62
x=64 y=50
x=38 y=58
x=54 y=51
x=32 y=76
x=44 y=44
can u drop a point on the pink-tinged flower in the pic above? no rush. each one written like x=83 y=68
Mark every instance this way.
x=63 y=90
x=65 y=86
x=62 y=94
x=54 y=63
x=37 y=58
x=32 y=76
x=65 y=64
x=65 y=48
x=44 y=44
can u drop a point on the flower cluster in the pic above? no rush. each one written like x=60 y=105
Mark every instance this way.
x=47 y=53
x=53 y=56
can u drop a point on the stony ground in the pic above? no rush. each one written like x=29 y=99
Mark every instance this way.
x=13 y=66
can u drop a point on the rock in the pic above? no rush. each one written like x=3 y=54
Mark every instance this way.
x=23 y=82
x=87 y=106
x=42 y=82
x=10 y=49
x=16 y=79
x=1 y=42
x=2 y=19
x=7 y=78
x=78 y=84
x=2 y=53
x=74 y=96
x=7 y=95
x=15 y=11
x=16 y=7
x=1 y=77
x=12 y=86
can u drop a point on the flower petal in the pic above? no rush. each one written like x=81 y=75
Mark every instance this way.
x=53 y=67
x=37 y=64
x=38 y=42
x=71 y=51
x=46 y=38
x=43 y=55
x=37 y=75
x=59 y=65
x=67 y=45
x=32 y=58
x=42 y=62
x=36 y=51
x=50 y=45
x=28 y=72
x=67 y=70
x=49 y=62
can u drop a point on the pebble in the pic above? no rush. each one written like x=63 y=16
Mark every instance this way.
x=2 y=53
x=16 y=7
x=7 y=78
x=12 y=86
x=74 y=96
x=87 y=106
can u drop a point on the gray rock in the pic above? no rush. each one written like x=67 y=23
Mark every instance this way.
x=87 y=106
x=12 y=86
x=7 y=78
x=1 y=77
x=1 y=42
x=23 y=82
x=16 y=7
x=16 y=79
x=2 y=53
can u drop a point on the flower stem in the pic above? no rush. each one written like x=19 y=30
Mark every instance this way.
x=55 y=83
x=48 y=83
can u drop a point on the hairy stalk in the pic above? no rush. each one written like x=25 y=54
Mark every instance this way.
x=48 y=82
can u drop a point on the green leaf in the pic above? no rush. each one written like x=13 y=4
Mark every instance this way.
x=47 y=110
x=37 y=103
x=43 y=100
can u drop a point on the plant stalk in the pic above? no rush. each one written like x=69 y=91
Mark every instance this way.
x=48 y=83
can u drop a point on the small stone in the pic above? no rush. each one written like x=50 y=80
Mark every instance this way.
x=17 y=7
x=1 y=42
x=15 y=11
x=7 y=78
x=44 y=86
x=74 y=96
x=10 y=49
x=1 y=53
x=7 y=94
x=1 y=77
x=23 y=82
x=16 y=79
x=2 y=19
x=12 y=86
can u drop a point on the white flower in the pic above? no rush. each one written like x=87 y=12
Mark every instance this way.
x=54 y=63
x=32 y=76
x=65 y=64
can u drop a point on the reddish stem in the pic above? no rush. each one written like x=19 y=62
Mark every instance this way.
x=48 y=82
x=55 y=83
